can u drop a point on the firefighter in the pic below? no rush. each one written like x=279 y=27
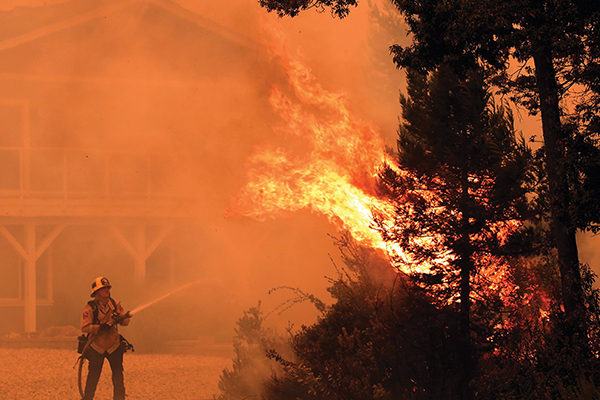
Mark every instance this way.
x=99 y=321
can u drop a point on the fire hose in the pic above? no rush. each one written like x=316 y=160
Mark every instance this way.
x=116 y=319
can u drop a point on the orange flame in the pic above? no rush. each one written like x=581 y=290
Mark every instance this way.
x=333 y=171
x=335 y=175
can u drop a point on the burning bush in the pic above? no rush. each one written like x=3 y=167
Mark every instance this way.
x=386 y=338
x=381 y=339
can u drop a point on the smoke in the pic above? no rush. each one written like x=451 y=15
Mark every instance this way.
x=588 y=245
x=172 y=97
x=8 y=5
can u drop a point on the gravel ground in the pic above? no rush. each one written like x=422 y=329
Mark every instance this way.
x=48 y=374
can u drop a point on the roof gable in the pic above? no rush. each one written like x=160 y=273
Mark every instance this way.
x=129 y=38
x=23 y=25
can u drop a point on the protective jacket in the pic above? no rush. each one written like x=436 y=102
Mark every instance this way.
x=96 y=313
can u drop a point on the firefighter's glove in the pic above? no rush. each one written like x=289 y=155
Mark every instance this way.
x=123 y=317
x=104 y=328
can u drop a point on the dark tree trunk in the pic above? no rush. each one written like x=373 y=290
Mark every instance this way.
x=563 y=230
x=466 y=348
x=464 y=252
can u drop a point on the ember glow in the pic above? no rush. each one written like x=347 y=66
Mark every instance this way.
x=333 y=170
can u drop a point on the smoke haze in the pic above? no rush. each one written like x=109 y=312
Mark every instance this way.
x=171 y=96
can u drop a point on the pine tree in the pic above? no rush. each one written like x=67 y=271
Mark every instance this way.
x=463 y=192
x=557 y=44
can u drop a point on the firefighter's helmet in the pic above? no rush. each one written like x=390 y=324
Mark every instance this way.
x=99 y=283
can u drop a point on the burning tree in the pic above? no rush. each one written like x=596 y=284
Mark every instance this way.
x=446 y=215
x=463 y=197
x=556 y=44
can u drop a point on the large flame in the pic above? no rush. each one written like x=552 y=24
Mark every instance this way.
x=332 y=169
x=335 y=171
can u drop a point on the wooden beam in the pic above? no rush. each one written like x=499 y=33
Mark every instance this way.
x=15 y=243
x=235 y=36
x=107 y=81
x=48 y=240
x=123 y=240
x=165 y=230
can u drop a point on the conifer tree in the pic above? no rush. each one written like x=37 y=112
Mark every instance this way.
x=557 y=44
x=464 y=191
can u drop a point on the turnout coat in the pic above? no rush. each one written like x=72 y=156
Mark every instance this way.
x=96 y=313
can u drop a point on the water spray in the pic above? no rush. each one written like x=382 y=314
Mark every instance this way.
x=152 y=302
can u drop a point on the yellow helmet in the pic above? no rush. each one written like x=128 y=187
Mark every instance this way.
x=99 y=283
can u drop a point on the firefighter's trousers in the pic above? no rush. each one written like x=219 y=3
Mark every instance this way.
x=96 y=360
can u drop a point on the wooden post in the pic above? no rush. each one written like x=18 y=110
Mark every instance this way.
x=139 y=268
x=138 y=248
x=30 y=253
x=50 y=278
x=26 y=182
x=30 y=294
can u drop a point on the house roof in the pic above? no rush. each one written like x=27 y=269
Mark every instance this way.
x=91 y=39
x=25 y=24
